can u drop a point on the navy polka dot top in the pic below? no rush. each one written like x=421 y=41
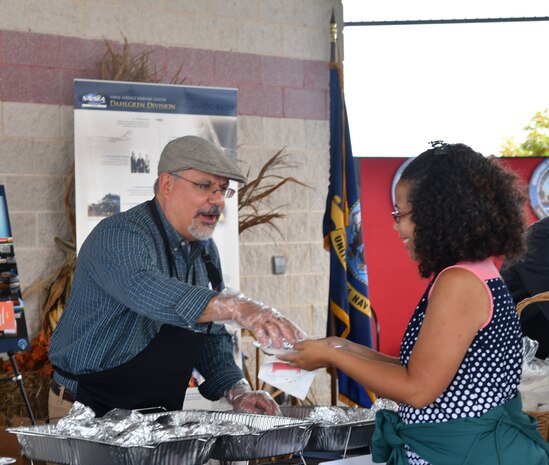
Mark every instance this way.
x=489 y=374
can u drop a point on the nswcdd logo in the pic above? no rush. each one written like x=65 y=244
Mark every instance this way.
x=539 y=190
x=94 y=101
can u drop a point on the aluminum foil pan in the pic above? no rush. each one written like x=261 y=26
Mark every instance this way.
x=335 y=428
x=43 y=443
x=233 y=436
x=186 y=451
x=275 y=436
x=242 y=436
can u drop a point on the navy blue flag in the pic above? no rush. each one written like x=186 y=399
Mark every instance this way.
x=349 y=305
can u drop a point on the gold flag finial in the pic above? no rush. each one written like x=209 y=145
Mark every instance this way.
x=333 y=28
x=333 y=38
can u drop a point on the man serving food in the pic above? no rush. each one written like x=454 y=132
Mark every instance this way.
x=147 y=294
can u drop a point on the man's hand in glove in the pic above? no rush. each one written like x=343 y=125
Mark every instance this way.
x=243 y=399
x=269 y=326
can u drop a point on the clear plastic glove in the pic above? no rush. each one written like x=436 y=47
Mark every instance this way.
x=243 y=399
x=270 y=327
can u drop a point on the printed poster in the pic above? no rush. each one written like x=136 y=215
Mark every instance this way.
x=120 y=130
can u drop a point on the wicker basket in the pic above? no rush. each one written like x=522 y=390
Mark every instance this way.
x=543 y=423
x=541 y=417
x=542 y=296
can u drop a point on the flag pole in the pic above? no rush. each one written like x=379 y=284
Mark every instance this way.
x=349 y=313
x=331 y=319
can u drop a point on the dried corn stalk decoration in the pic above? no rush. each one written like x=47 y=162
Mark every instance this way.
x=124 y=66
x=59 y=289
x=253 y=196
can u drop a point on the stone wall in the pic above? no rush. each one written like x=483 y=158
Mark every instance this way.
x=275 y=52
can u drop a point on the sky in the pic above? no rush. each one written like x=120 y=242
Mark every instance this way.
x=471 y=83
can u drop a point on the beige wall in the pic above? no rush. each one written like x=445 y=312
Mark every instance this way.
x=36 y=139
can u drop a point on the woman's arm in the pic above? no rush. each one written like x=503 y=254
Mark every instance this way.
x=344 y=345
x=459 y=305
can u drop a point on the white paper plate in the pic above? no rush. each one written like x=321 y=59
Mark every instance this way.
x=272 y=350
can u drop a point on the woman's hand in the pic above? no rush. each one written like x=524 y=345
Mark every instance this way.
x=312 y=353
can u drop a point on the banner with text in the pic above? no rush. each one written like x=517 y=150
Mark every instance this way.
x=120 y=129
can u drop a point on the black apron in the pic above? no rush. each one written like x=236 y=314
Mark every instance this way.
x=159 y=375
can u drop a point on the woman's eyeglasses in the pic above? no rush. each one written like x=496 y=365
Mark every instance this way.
x=398 y=215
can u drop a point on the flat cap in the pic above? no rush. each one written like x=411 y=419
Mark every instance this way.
x=193 y=152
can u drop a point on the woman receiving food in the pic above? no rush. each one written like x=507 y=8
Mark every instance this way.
x=456 y=380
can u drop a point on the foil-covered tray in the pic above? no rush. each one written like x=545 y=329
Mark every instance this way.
x=275 y=436
x=230 y=436
x=44 y=443
x=335 y=428
x=243 y=436
x=185 y=451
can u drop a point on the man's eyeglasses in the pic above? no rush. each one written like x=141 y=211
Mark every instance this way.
x=209 y=188
x=398 y=215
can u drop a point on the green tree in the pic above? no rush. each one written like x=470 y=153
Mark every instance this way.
x=536 y=143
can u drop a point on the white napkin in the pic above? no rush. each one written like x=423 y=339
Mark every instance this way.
x=292 y=380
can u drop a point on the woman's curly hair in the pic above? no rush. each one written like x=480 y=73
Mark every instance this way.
x=465 y=207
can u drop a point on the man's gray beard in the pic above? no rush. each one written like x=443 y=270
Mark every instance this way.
x=200 y=232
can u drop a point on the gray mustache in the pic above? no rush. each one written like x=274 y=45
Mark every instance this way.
x=213 y=210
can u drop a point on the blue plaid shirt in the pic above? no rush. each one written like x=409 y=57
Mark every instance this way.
x=122 y=294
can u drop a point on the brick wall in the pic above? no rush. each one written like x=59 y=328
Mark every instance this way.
x=275 y=52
